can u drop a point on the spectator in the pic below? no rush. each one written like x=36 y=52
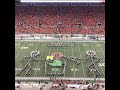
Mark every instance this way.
x=48 y=20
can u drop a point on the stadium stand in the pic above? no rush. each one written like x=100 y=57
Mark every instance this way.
x=60 y=19
x=63 y=23
x=60 y=85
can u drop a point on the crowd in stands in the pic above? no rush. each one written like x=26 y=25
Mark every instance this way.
x=60 y=19
x=60 y=85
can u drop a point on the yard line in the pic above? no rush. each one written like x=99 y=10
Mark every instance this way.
x=101 y=50
x=49 y=50
x=40 y=58
x=73 y=62
x=17 y=42
x=49 y=54
x=57 y=48
x=30 y=50
x=81 y=62
x=86 y=50
x=96 y=54
x=57 y=51
x=64 y=59
x=102 y=53
x=27 y=52
x=17 y=55
x=20 y=50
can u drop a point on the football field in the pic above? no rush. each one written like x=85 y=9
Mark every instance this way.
x=72 y=69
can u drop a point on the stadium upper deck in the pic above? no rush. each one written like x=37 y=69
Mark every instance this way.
x=83 y=19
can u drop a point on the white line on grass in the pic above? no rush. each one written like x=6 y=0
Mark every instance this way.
x=18 y=42
x=40 y=58
x=86 y=50
x=29 y=50
x=97 y=55
x=25 y=54
x=19 y=53
x=57 y=51
x=102 y=53
x=49 y=55
x=20 y=50
x=49 y=50
x=57 y=48
x=81 y=62
x=101 y=50
x=73 y=62
x=64 y=59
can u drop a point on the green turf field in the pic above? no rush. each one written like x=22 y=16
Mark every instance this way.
x=23 y=48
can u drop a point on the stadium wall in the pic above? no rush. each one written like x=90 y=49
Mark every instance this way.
x=47 y=78
x=75 y=37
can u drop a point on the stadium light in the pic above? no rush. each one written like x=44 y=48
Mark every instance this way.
x=96 y=1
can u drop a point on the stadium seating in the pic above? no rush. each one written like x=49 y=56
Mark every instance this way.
x=60 y=19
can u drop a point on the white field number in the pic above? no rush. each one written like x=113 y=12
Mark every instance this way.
x=55 y=69
x=18 y=47
x=74 y=69
x=18 y=69
x=17 y=44
x=101 y=64
x=24 y=47
x=36 y=69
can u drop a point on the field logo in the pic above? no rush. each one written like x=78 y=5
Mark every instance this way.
x=49 y=58
x=57 y=55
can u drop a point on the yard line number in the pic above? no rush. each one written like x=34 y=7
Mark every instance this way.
x=55 y=69
x=24 y=47
x=19 y=69
x=101 y=64
x=74 y=69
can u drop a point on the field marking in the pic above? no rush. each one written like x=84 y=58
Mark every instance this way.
x=64 y=59
x=36 y=69
x=57 y=51
x=85 y=52
x=101 y=50
x=20 y=50
x=101 y=64
x=55 y=69
x=18 y=69
x=73 y=62
x=17 y=44
x=25 y=54
x=81 y=62
x=74 y=69
x=49 y=54
x=97 y=55
x=24 y=47
x=40 y=55
x=103 y=54
x=49 y=50
x=40 y=58
x=30 y=44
